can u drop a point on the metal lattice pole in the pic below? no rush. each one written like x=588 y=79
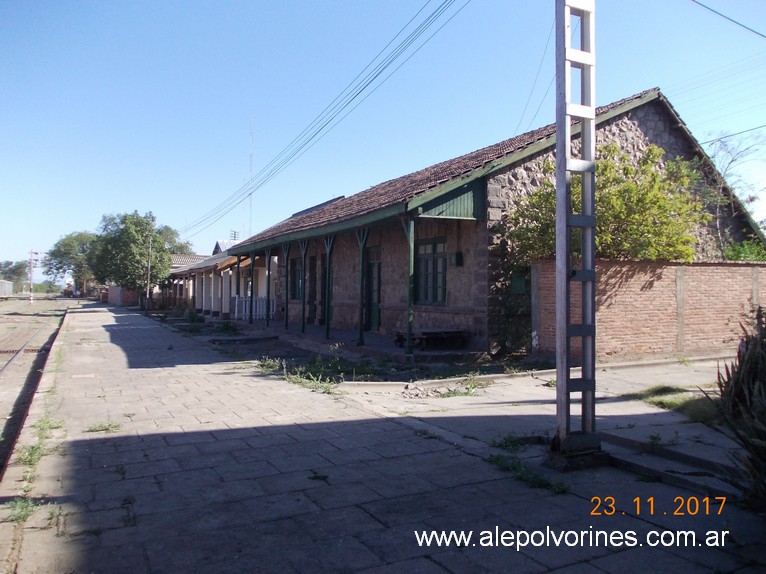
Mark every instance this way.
x=573 y=60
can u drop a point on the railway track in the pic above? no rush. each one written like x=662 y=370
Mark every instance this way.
x=26 y=333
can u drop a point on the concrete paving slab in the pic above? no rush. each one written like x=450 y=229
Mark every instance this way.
x=219 y=468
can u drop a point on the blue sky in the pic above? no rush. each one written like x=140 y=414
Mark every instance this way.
x=111 y=107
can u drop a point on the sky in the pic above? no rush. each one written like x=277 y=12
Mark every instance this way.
x=177 y=107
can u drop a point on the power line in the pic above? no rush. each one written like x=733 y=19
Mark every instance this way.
x=270 y=170
x=550 y=84
x=383 y=81
x=734 y=134
x=732 y=20
x=328 y=118
x=537 y=75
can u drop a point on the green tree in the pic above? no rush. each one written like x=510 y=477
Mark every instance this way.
x=173 y=241
x=71 y=254
x=747 y=250
x=130 y=249
x=17 y=272
x=644 y=210
x=47 y=286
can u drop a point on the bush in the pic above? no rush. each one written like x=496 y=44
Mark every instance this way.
x=195 y=317
x=742 y=389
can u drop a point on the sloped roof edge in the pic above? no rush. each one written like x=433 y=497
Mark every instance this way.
x=400 y=195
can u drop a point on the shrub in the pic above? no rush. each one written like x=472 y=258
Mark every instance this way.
x=742 y=389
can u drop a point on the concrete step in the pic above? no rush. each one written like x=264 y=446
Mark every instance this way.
x=693 y=444
x=674 y=472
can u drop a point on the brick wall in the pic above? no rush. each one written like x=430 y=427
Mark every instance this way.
x=466 y=300
x=661 y=309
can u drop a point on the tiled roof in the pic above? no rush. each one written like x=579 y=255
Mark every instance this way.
x=209 y=262
x=177 y=260
x=403 y=189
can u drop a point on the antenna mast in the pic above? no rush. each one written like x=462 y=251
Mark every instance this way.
x=250 y=197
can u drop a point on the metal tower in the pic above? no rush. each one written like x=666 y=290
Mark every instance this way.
x=575 y=71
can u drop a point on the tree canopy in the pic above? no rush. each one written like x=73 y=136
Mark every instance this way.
x=645 y=210
x=129 y=249
x=173 y=241
x=18 y=272
x=71 y=254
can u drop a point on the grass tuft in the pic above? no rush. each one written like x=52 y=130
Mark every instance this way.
x=109 y=427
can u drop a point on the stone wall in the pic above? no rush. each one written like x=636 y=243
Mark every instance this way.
x=466 y=301
x=635 y=131
x=657 y=308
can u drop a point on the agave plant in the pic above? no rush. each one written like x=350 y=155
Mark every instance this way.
x=742 y=389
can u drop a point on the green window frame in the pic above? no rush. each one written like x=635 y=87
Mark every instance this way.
x=431 y=272
x=296 y=278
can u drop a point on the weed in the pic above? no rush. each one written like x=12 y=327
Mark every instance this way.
x=312 y=382
x=121 y=471
x=195 y=317
x=654 y=391
x=467 y=391
x=56 y=519
x=30 y=455
x=697 y=409
x=129 y=415
x=109 y=427
x=655 y=438
x=127 y=505
x=684 y=361
x=228 y=328
x=22 y=508
x=427 y=434
x=44 y=427
x=525 y=474
x=316 y=476
x=510 y=442
x=269 y=364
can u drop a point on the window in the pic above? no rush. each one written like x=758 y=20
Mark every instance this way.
x=296 y=278
x=431 y=272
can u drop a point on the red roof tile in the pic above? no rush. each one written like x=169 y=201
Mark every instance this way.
x=404 y=188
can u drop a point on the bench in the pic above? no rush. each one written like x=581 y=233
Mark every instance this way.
x=441 y=338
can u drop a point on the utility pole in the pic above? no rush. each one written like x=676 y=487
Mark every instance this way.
x=148 y=275
x=32 y=262
x=574 y=447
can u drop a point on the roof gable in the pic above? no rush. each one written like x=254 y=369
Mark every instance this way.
x=397 y=196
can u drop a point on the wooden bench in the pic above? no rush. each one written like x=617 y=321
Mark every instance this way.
x=441 y=338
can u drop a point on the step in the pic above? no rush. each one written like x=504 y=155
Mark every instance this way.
x=673 y=472
x=691 y=443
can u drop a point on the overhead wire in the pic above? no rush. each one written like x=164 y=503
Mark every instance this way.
x=267 y=172
x=737 y=22
x=727 y=136
x=326 y=120
x=383 y=81
x=331 y=116
x=537 y=75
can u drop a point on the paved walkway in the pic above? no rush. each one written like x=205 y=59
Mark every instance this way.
x=211 y=467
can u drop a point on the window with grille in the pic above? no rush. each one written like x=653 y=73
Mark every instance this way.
x=431 y=272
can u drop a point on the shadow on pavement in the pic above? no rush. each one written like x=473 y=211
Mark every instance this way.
x=341 y=496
